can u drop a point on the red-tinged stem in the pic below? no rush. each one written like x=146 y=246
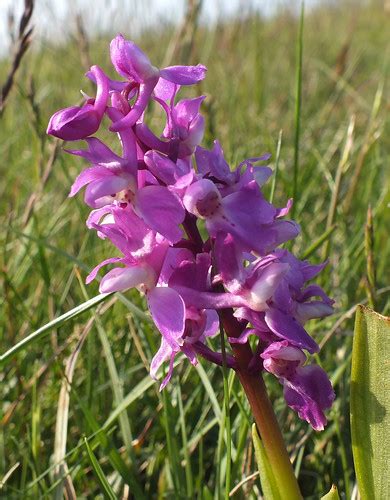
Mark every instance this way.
x=263 y=413
x=256 y=393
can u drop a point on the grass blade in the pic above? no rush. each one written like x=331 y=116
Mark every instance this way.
x=298 y=105
x=318 y=242
x=275 y=175
x=46 y=329
x=107 y=491
x=61 y=432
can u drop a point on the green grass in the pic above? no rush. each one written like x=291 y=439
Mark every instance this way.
x=118 y=428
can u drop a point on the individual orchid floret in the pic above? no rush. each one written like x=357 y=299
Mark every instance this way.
x=255 y=283
x=109 y=175
x=176 y=175
x=74 y=123
x=307 y=389
x=185 y=125
x=292 y=298
x=212 y=165
x=310 y=393
x=245 y=214
x=108 y=181
x=199 y=325
x=131 y=63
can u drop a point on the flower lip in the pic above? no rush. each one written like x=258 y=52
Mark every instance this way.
x=202 y=199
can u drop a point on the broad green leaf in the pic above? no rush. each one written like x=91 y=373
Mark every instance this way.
x=332 y=495
x=370 y=403
x=267 y=479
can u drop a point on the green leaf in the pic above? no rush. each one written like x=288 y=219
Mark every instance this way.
x=370 y=403
x=332 y=495
x=107 y=491
x=267 y=479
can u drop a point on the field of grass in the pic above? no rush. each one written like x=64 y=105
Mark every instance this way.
x=173 y=444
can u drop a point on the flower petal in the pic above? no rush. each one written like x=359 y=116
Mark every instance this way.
x=123 y=278
x=309 y=393
x=168 y=311
x=161 y=210
x=288 y=328
x=184 y=75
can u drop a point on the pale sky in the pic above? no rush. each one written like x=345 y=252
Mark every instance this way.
x=129 y=16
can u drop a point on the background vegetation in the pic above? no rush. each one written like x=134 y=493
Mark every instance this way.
x=172 y=445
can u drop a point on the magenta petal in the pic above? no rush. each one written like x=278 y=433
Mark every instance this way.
x=310 y=271
x=247 y=208
x=145 y=135
x=74 y=123
x=309 y=393
x=187 y=110
x=92 y=275
x=97 y=152
x=145 y=91
x=244 y=336
x=227 y=257
x=267 y=280
x=161 y=210
x=313 y=309
x=212 y=323
x=89 y=175
x=161 y=167
x=129 y=60
x=213 y=162
x=288 y=328
x=99 y=192
x=261 y=174
x=169 y=374
x=315 y=291
x=282 y=212
x=168 y=311
x=192 y=274
x=162 y=355
x=123 y=278
x=174 y=257
x=165 y=90
x=209 y=300
x=184 y=75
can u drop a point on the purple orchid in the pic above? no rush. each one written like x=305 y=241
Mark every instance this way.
x=198 y=239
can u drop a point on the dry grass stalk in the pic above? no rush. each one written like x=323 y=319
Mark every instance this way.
x=61 y=469
x=182 y=42
x=82 y=42
x=370 y=282
x=20 y=46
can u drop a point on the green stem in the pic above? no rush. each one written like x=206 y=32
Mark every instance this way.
x=267 y=424
x=227 y=417
x=263 y=413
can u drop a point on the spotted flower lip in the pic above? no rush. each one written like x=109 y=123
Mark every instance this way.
x=198 y=239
